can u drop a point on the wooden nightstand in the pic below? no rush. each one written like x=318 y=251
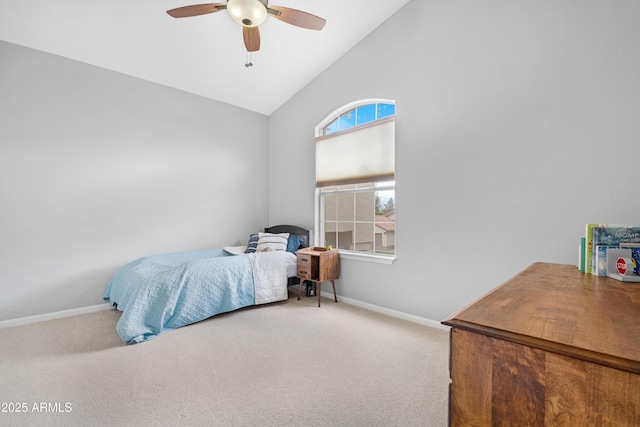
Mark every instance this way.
x=318 y=265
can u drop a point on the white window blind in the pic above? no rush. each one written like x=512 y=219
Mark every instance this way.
x=364 y=154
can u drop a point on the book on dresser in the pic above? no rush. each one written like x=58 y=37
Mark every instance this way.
x=601 y=259
x=586 y=260
x=612 y=236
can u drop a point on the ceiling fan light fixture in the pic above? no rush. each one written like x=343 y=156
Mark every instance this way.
x=249 y=13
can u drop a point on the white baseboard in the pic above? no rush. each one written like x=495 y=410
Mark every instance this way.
x=393 y=313
x=50 y=316
x=93 y=308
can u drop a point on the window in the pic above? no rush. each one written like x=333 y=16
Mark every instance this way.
x=355 y=172
x=359 y=217
x=359 y=116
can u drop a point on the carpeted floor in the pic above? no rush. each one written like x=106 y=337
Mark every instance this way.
x=282 y=364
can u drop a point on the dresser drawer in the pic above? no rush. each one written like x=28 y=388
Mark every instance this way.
x=303 y=259
x=304 y=273
x=305 y=266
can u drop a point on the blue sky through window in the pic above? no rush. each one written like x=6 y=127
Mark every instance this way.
x=385 y=110
x=359 y=116
x=366 y=113
x=348 y=120
x=332 y=127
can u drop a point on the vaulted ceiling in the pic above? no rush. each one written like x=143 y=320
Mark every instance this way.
x=204 y=55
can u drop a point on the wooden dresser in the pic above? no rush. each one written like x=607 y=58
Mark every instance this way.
x=550 y=347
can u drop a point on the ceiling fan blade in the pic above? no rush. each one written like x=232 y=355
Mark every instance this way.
x=297 y=17
x=196 y=9
x=251 y=37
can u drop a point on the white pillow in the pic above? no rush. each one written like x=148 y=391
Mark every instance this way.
x=235 y=250
x=272 y=242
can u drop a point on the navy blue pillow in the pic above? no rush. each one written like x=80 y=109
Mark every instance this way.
x=294 y=243
x=252 y=244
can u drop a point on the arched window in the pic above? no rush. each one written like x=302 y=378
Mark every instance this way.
x=359 y=116
x=355 y=179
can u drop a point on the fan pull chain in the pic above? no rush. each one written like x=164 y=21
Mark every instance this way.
x=248 y=63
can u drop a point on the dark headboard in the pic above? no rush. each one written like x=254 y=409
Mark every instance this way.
x=303 y=233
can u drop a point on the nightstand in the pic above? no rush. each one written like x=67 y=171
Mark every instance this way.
x=318 y=265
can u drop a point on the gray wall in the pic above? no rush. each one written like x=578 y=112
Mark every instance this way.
x=98 y=168
x=517 y=123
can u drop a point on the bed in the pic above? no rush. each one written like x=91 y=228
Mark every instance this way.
x=160 y=293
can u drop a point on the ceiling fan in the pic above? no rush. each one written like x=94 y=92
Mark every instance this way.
x=250 y=14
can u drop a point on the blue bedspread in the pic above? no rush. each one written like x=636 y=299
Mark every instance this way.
x=163 y=292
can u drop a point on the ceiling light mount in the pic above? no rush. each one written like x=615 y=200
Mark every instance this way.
x=249 y=13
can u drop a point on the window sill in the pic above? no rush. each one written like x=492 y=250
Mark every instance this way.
x=380 y=259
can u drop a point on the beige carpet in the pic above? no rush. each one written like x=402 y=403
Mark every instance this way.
x=282 y=364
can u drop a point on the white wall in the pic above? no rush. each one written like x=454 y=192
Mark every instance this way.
x=517 y=123
x=98 y=168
